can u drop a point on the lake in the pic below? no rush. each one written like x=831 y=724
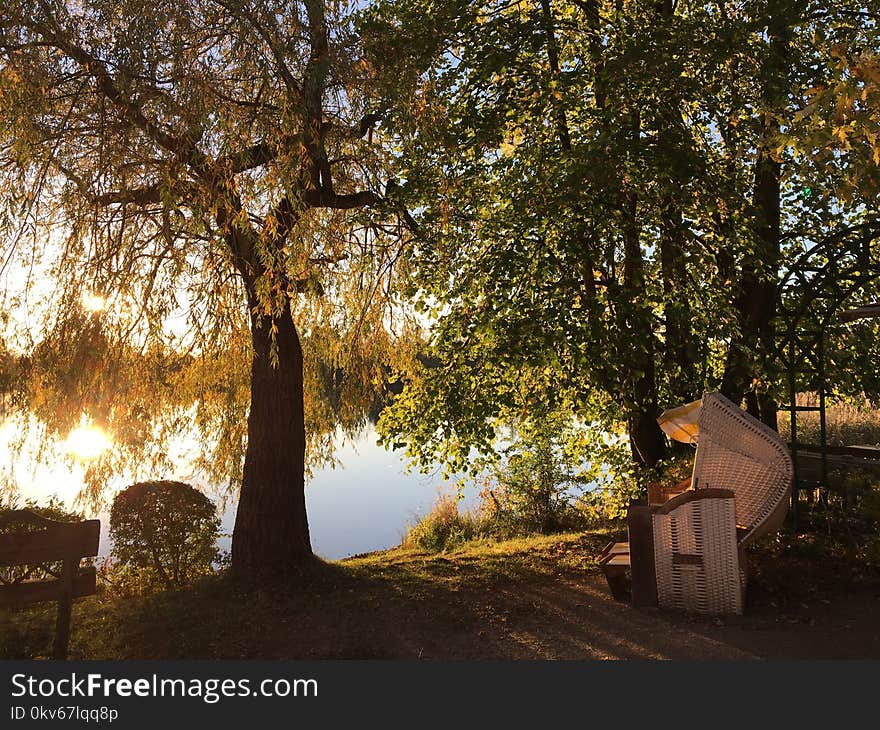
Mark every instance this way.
x=363 y=504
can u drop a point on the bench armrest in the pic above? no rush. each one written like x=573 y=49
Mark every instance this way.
x=692 y=495
x=659 y=494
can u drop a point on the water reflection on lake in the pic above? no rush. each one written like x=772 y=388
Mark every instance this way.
x=363 y=504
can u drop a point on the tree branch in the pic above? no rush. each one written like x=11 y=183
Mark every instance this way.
x=248 y=158
x=257 y=155
x=283 y=69
x=314 y=85
x=182 y=149
x=368 y=121
x=282 y=219
x=328 y=199
x=147 y=195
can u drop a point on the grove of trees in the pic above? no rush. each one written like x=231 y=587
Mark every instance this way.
x=466 y=214
x=608 y=193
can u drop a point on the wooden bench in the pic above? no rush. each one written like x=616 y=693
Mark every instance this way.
x=40 y=551
x=628 y=579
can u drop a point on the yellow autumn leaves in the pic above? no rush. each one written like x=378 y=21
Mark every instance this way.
x=513 y=138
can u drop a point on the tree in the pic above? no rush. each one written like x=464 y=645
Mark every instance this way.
x=568 y=181
x=811 y=98
x=166 y=527
x=208 y=154
x=605 y=197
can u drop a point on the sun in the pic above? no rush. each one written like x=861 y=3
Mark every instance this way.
x=93 y=302
x=87 y=442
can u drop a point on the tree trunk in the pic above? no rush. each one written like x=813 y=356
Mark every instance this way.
x=678 y=358
x=756 y=300
x=747 y=359
x=271 y=529
x=647 y=443
x=680 y=351
x=767 y=203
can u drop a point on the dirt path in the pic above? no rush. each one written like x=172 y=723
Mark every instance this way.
x=575 y=619
x=551 y=603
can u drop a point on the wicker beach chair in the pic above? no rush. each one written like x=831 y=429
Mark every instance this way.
x=689 y=553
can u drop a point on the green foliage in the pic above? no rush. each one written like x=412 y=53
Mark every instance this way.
x=838 y=115
x=532 y=489
x=167 y=530
x=583 y=176
x=522 y=174
x=53 y=509
x=609 y=504
x=445 y=527
x=846 y=516
x=552 y=474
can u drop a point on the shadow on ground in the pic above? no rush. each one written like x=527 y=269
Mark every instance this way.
x=545 y=603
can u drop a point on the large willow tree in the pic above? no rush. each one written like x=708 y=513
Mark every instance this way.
x=211 y=155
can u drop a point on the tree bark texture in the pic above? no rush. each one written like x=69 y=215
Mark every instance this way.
x=271 y=530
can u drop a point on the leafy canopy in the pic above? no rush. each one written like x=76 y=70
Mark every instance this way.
x=190 y=166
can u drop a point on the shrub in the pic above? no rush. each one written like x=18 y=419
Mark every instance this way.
x=533 y=488
x=530 y=494
x=165 y=529
x=54 y=509
x=444 y=527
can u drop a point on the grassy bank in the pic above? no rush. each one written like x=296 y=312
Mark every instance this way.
x=540 y=597
x=348 y=608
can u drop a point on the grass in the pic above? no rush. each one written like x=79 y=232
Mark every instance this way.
x=524 y=598
x=444 y=527
x=329 y=609
x=846 y=424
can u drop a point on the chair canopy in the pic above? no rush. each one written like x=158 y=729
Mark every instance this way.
x=738 y=452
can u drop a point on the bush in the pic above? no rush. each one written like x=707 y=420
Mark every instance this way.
x=444 y=527
x=54 y=509
x=530 y=492
x=165 y=530
x=534 y=487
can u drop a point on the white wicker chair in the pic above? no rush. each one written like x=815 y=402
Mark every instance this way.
x=740 y=491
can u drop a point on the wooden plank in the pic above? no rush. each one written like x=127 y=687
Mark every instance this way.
x=860 y=451
x=640 y=524
x=612 y=549
x=866 y=311
x=659 y=494
x=23 y=594
x=57 y=542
